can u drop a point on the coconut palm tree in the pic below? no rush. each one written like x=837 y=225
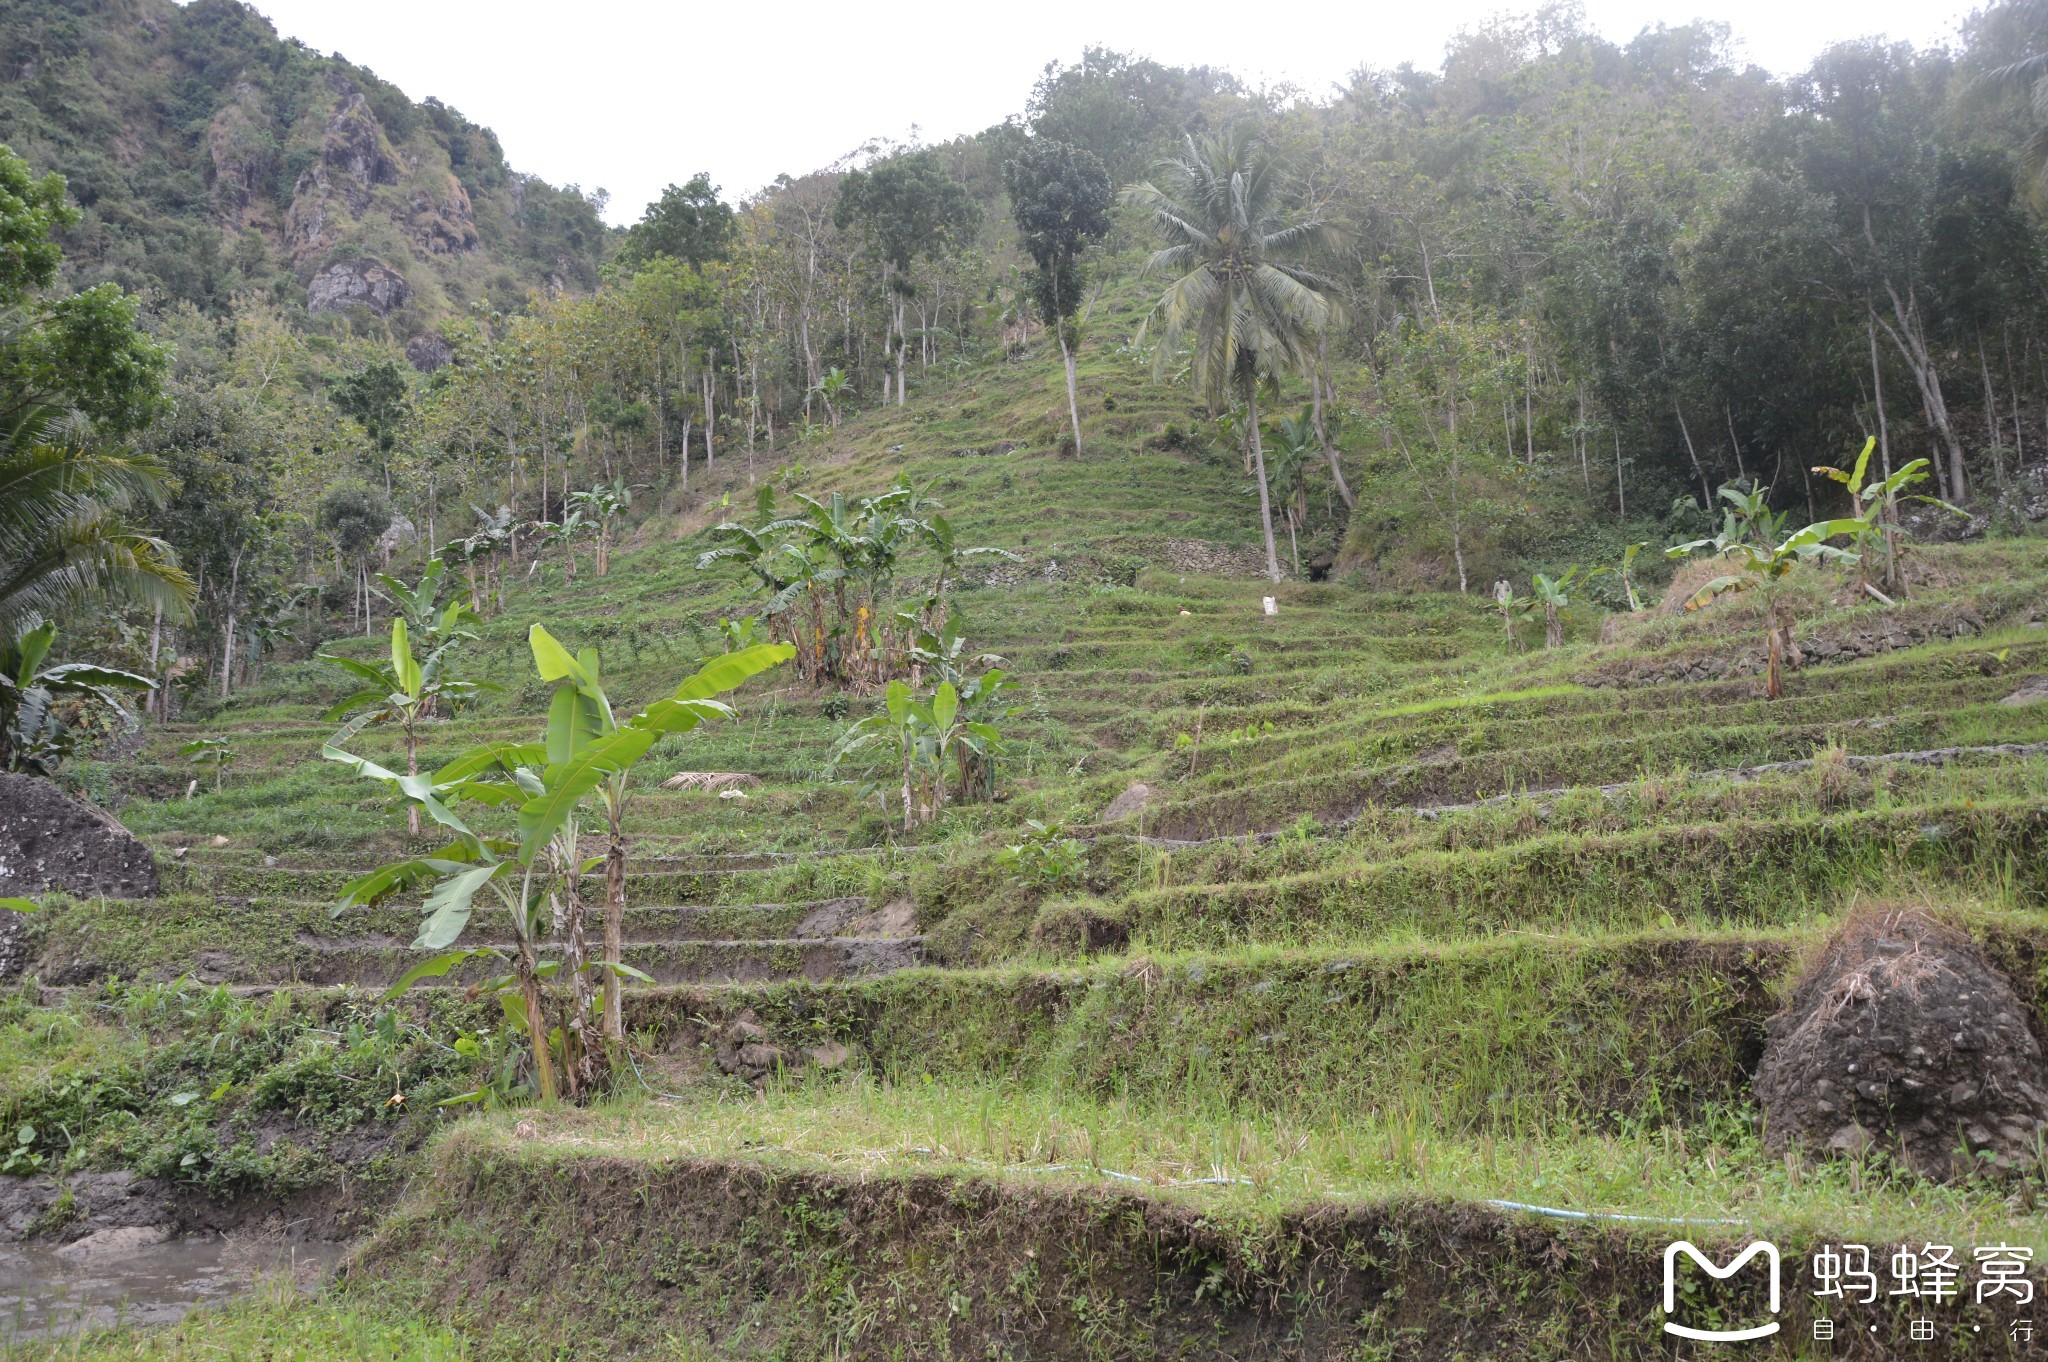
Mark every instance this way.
x=1241 y=298
x=63 y=537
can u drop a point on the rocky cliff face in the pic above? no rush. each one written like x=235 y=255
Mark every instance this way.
x=187 y=128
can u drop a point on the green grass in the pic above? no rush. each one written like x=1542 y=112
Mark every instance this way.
x=1260 y=1163
x=276 y=1326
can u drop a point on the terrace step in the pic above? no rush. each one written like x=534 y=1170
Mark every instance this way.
x=376 y=962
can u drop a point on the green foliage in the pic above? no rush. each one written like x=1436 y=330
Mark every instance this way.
x=909 y=206
x=688 y=224
x=377 y=397
x=217 y=752
x=1061 y=197
x=82 y=352
x=1046 y=859
x=831 y=573
x=584 y=751
x=41 y=701
x=354 y=516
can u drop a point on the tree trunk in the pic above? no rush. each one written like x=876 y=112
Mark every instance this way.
x=1706 y=492
x=1585 y=467
x=1906 y=337
x=1073 y=402
x=1251 y=394
x=1620 y=488
x=156 y=641
x=227 y=654
x=710 y=416
x=1323 y=435
x=412 y=768
x=1884 y=451
x=1991 y=415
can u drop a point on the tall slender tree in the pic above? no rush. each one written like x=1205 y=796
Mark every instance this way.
x=1061 y=198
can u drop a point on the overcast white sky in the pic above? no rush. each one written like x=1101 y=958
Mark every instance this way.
x=630 y=96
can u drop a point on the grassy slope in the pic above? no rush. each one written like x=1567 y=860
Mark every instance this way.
x=1391 y=1001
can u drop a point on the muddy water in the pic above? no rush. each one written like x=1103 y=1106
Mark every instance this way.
x=45 y=1291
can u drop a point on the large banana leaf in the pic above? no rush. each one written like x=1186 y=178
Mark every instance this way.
x=74 y=676
x=33 y=647
x=574 y=723
x=361 y=700
x=564 y=785
x=420 y=788
x=553 y=661
x=437 y=967
x=725 y=673
x=678 y=716
x=369 y=890
x=447 y=908
x=505 y=756
x=404 y=667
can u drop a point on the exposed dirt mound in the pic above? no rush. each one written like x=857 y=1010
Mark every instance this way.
x=1902 y=1037
x=49 y=841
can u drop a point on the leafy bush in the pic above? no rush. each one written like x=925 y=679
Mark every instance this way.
x=1047 y=858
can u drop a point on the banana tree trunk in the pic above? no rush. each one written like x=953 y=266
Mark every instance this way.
x=614 y=932
x=536 y=1021
x=412 y=768
x=578 y=1046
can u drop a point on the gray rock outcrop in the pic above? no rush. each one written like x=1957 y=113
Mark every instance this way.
x=357 y=283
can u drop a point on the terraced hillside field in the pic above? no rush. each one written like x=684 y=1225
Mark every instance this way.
x=1407 y=1010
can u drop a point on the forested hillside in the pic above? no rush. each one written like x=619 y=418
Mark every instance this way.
x=1572 y=283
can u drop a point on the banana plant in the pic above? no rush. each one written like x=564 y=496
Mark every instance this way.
x=1875 y=504
x=833 y=387
x=1763 y=569
x=843 y=557
x=793 y=580
x=1749 y=515
x=1552 y=597
x=33 y=734
x=218 y=753
x=902 y=730
x=536 y=874
x=944 y=656
x=581 y=711
x=937 y=531
x=435 y=625
x=404 y=691
x=603 y=506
